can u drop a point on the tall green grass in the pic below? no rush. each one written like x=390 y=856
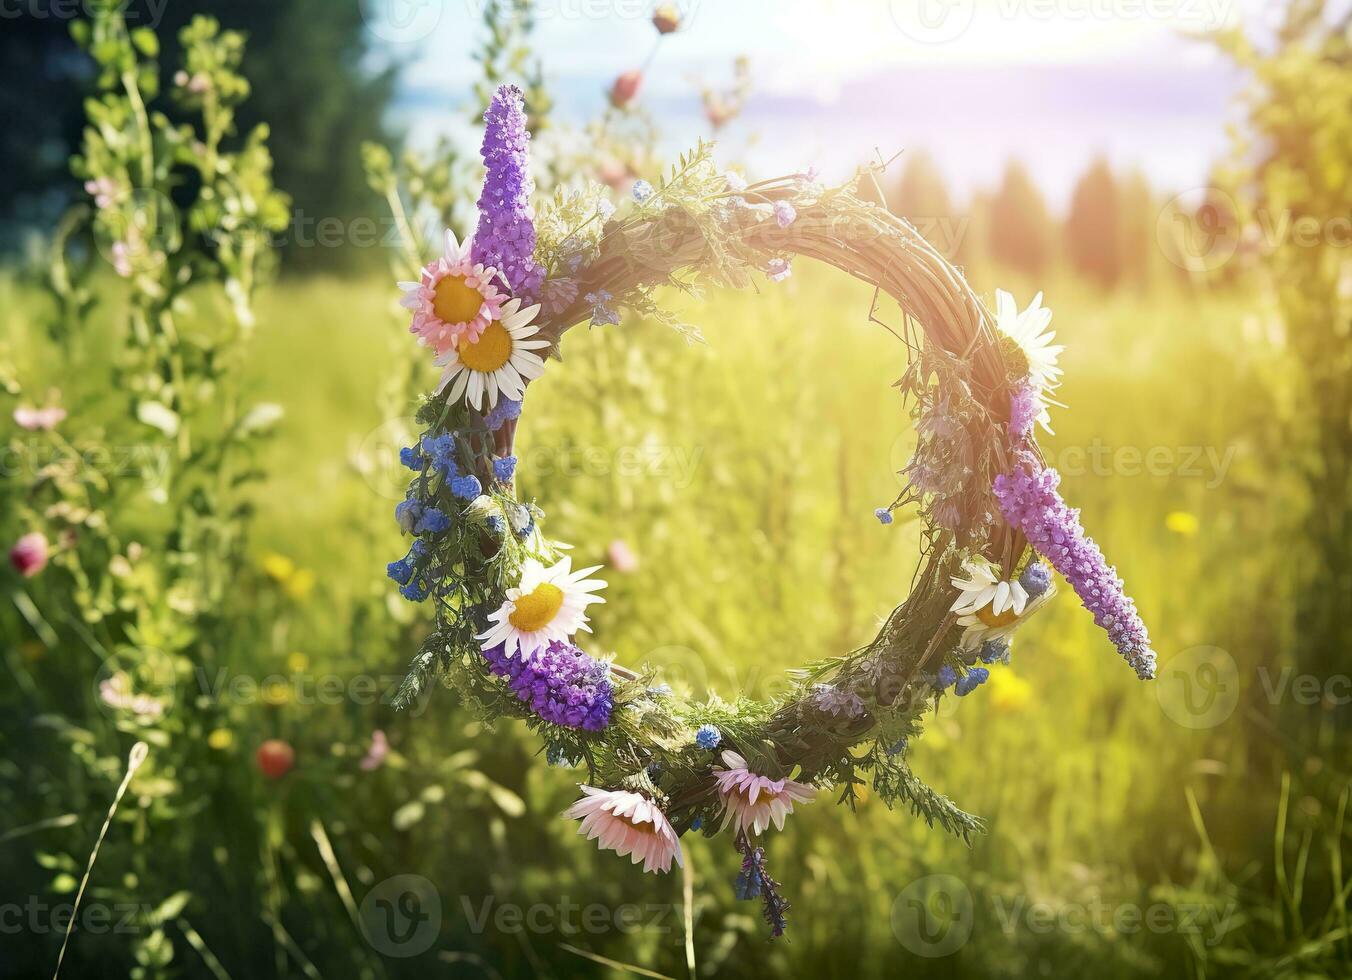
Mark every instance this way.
x=744 y=473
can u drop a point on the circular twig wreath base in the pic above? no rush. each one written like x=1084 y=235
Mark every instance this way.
x=509 y=605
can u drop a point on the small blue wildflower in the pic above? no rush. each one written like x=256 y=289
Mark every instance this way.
x=642 y=190
x=504 y=469
x=401 y=571
x=884 y=515
x=433 y=521
x=947 y=675
x=605 y=209
x=406 y=514
x=557 y=755
x=414 y=591
x=708 y=737
x=497 y=525
x=785 y=213
x=995 y=650
x=466 y=487
x=897 y=748
x=410 y=457
x=441 y=450
x=697 y=823
x=971 y=680
x=602 y=312
x=504 y=411
x=1036 y=579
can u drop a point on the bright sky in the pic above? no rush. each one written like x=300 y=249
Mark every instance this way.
x=1054 y=82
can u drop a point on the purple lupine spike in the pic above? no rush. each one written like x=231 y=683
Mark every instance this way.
x=505 y=238
x=1030 y=502
x=1023 y=412
x=561 y=684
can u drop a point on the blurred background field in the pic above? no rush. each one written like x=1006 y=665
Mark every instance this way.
x=1192 y=827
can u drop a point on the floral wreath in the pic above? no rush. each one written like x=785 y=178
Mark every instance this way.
x=510 y=607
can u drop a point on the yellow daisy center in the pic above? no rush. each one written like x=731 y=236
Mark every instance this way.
x=987 y=615
x=536 y=610
x=455 y=300
x=490 y=352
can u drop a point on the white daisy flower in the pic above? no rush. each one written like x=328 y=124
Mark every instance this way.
x=990 y=607
x=499 y=362
x=1029 y=330
x=548 y=605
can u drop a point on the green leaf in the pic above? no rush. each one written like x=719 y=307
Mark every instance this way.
x=146 y=42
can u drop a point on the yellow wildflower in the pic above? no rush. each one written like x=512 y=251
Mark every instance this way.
x=221 y=739
x=278 y=567
x=300 y=584
x=1181 y=522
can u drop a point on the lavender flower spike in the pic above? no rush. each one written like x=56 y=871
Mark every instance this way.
x=1030 y=502
x=505 y=238
x=561 y=684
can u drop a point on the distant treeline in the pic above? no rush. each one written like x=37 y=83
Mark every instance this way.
x=1108 y=236
x=309 y=63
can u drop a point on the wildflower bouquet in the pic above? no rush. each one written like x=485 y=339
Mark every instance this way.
x=510 y=607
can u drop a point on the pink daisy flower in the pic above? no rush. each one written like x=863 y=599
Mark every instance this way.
x=455 y=298
x=753 y=801
x=627 y=823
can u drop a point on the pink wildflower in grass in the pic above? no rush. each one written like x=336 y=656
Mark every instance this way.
x=39 y=419
x=29 y=554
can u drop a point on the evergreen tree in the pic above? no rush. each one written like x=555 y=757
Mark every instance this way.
x=1094 y=226
x=308 y=64
x=1022 y=235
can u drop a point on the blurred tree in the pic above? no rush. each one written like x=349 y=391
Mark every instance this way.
x=921 y=197
x=38 y=134
x=309 y=66
x=1137 y=212
x=1291 y=184
x=1093 y=230
x=1022 y=235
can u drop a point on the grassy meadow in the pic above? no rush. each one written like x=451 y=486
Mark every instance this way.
x=1126 y=836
